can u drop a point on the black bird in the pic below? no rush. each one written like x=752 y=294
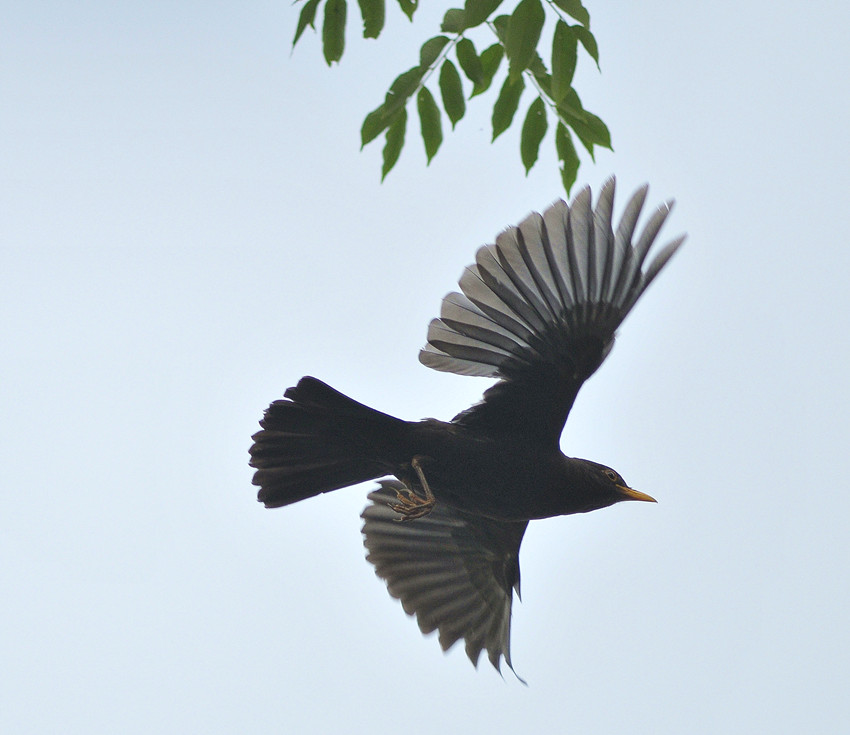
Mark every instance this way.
x=539 y=311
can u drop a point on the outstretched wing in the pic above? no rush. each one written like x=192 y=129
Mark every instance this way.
x=540 y=308
x=454 y=571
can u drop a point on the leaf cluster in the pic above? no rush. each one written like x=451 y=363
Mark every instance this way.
x=517 y=39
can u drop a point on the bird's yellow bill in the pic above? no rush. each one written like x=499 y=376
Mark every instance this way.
x=631 y=494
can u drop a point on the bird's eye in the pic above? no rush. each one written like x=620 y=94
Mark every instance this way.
x=611 y=475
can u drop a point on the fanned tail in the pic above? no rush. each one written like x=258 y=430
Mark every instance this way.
x=317 y=441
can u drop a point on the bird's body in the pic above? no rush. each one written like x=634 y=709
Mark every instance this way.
x=503 y=477
x=539 y=311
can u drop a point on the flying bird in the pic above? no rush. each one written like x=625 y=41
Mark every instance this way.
x=538 y=311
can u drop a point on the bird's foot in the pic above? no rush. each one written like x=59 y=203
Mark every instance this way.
x=411 y=506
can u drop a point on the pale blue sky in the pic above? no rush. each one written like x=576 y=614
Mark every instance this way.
x=187 y=227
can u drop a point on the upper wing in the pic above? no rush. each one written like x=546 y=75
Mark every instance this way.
x=454 y=571
x=540 y=308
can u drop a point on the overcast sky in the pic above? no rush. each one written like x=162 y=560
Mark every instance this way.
x=187 y=226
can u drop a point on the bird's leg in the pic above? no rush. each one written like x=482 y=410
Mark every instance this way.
x=410 y=505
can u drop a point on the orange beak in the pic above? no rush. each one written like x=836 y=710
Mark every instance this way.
x=629 y=494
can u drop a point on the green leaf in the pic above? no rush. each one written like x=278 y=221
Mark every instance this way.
x=543 y=78
x=403 y=86
x=571 y=106
x=469 y=61
x=523 y=33
x=394 y=142
x=589 y=42
x=375 y=123
x=490 y=60
x=564 y=54
x=451 y=90
x=474 y=13
x=598 y=130
x=576 y=10
x=373 y=12
x=506 y=105
x=567 y=156
x=582 y=133
x=408 y=7
x=333 y=30
x=431 y=50
x=589 y=129
x=306 y=18
x=454 y=21
x=588 y=144
x=533 y=130
x=477 y=11
x=382 y=117
x=429 y=121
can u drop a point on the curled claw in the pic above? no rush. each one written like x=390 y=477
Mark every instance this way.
x=410 y=505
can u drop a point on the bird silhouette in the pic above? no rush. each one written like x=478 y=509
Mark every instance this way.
x=538 y=311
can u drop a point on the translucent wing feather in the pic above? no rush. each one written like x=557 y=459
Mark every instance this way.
x=455 y=572
x=540 y=307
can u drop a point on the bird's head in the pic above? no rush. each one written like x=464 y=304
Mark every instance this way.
x=601 y=486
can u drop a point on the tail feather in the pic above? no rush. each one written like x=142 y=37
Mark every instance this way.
x=317 y=440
